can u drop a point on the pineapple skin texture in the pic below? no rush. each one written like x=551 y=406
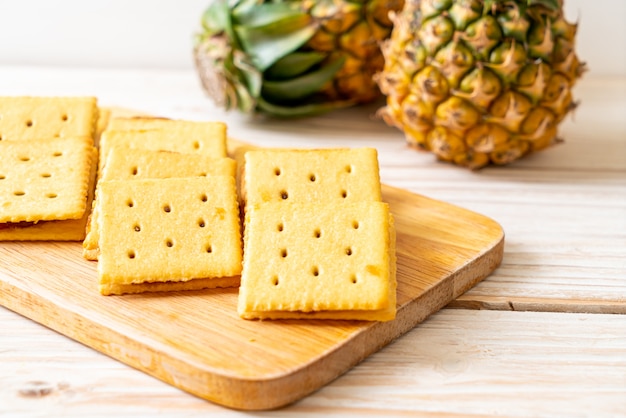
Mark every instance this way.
x=479 y=82
x=250 y=63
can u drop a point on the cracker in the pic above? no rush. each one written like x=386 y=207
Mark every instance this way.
x=67 y=230
x=195 y=284
x=129 y=163
x=168 y=230
x=43 y=180
x=26 y=118
x=311 y=175
x=204 y=138
x=311 y=260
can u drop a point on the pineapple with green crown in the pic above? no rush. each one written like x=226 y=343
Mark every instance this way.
x=292 y=58
x=480 y=82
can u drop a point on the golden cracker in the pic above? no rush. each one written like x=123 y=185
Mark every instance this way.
x=306 y=260
x=133 y=163
x=321 y=175
x=66 y=230
x=166 y=230
x=27 y=118
x=42 y=180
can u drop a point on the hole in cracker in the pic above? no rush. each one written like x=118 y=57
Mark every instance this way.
x=283 y=253
x=137 y=227
x=315 y=271
x=64 y=118
x=196 y=145
x=167 y=208
x=131 y=254
x=355 y=224
x=51 y=195
x=348 y=169
x=23 y=158
x=169 y=243
x=317 y=233
x=202 y=175
x=353 y=279
x=18 y=193
x=204 y=197
x=2 y=177
x=46 y=175
x=348 y=251
x=280 y=227
x=275 y=280
x=134 y=171
x=57 y=154
x=344 y=193
x=284 y=195
x=277 y=171
x=29 y=123
x=312 y=177
x=201 y=223
x=208 y=248
x=130 y=203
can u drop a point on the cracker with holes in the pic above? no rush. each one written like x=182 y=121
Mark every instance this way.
x=168 y=230
x=44 y=180
x=187 y=137
x=311 y=175
x=319 y=260
x=63 y=230
x=26 y=118
x=132 y=163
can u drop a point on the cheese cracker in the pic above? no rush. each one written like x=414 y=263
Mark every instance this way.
x=311 y=175
x=26 y=118
x=204 y=138
x=311 y=260
x=66 y=230
x=168 y=230
x=130 y=163
x=43 y=180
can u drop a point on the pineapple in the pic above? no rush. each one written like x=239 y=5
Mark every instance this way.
x=479 y=82
x=292 y=58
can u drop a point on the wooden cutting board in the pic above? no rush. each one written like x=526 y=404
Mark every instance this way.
x=195 y=340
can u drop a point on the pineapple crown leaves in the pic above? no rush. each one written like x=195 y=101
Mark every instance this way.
x=263 y=56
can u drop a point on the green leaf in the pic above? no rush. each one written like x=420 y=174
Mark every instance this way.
x=294 y=64
x=249 y=76
x=216 y=17
x=301 y=87
x=259 y=15
x=266 y=44
x=303 y=110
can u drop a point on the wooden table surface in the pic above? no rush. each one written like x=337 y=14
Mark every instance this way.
x=544 y=335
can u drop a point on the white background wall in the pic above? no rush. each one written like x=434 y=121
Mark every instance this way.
x=158 y=33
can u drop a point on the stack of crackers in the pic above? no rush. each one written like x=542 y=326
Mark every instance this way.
x=318 y=241
x=166 y=214
x=47 y=167
x=156 y=203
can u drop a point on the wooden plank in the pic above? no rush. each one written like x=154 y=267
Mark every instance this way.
x=196 y=341
x=456 y=363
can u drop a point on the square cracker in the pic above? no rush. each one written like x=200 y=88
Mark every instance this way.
x=131 y=163
x=204 y=138
x=320 y=175
x=67 y=230
x=42 y=180
x=308 y=260
x=168 y=230
x=26 y=118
